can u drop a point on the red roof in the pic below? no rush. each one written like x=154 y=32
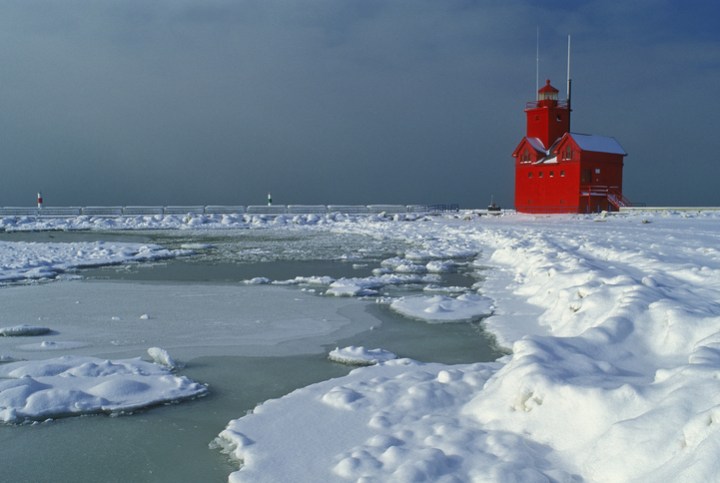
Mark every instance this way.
x=548 y=88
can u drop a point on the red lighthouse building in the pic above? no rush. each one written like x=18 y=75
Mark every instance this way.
x=557 y=171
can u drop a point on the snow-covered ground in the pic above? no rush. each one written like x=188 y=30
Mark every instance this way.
x=614 y=327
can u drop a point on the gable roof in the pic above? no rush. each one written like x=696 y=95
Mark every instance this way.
x=537 y=145
x=597 y=144
x=534 y=143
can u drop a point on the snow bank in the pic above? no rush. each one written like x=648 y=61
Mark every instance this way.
x=181 y=222
x=74 y=385
x=615 y=336
x=396 y=421
x=360 y=356
x=632 y=328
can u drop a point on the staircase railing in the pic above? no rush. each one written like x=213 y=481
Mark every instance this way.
x=611 y=193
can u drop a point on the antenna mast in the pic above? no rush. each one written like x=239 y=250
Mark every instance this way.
x=537 y=64
x=569 y=82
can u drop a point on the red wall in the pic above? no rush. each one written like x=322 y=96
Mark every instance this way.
x=547 y=123
x=558 y=187
x=547 y=188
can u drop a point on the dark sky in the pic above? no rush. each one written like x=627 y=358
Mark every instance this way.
x=183 y=102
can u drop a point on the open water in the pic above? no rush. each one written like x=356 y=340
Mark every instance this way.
x=171 y=443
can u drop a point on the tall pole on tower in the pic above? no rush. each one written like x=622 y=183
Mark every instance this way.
x=569 y=83
x=537 y=64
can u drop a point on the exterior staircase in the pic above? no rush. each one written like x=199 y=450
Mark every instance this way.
x=617 y=199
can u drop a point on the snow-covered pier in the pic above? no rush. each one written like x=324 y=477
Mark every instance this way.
x=118 y=211
x=636 y=209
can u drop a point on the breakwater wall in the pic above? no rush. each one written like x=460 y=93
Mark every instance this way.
x=118 y=211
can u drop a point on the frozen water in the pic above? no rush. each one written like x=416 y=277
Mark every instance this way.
x=612 y=321
x=193 y=308
x=106 y=318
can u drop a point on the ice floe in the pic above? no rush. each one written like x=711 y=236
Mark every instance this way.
x=74 y=385
x=360 y=356
x=370 y=286
x=30 y=260
x=443 y=308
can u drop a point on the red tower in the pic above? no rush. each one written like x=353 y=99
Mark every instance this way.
x=547 y=118
x=557 y=171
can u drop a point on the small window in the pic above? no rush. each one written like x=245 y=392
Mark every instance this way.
x=540 y=174
x=568 y=152
x=562 y=173
x=585 y=176
x=529 y=174
x=552 y=174
x=597 y=170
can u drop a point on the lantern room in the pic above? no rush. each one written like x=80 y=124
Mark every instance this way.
x=547 y=95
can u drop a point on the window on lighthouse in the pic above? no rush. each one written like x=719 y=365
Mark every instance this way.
x=548 y=96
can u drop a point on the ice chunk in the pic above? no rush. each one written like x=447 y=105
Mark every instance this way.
x=23 y=330
x=161 y=356
x=442 y=308
x=360 y=356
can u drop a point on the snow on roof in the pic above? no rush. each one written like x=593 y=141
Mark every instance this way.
x=536 y=144
x=598 y=144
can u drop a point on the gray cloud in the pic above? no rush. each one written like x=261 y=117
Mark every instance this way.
x=189 y=102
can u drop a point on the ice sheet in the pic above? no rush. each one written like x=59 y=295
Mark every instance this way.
x=124 y=319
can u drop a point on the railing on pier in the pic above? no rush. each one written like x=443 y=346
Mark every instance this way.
x=128 y=211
